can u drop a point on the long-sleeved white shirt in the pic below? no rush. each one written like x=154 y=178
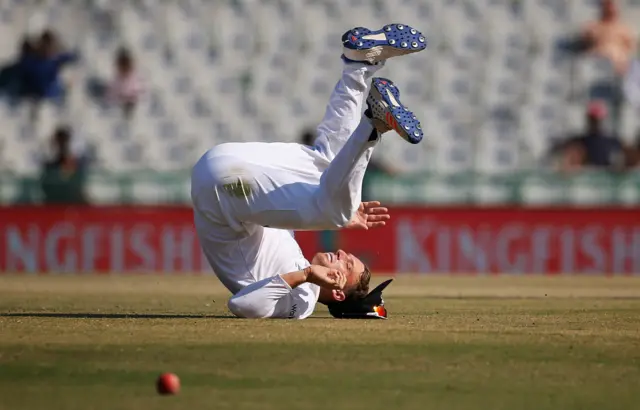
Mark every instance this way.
x=273 y=298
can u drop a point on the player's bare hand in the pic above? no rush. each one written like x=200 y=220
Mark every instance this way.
x=326 y=277
x=369 y=215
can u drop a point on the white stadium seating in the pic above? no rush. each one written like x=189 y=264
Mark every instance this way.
x=490 y=90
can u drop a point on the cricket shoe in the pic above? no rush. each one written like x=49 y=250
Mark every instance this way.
x=393 y=40
x=388 y=113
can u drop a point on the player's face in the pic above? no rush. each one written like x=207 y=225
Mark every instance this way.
x=346 y=263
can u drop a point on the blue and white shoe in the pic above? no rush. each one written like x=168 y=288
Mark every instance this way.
x=393 y=40
x=387 y=112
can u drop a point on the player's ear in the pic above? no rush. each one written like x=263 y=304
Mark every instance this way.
x=338 y=295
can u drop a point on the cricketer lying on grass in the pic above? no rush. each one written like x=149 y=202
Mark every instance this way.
x=249 y=197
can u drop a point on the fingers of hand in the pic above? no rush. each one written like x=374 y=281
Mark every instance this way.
x=377 y=218
x=339 y=279
x=371 y=204
x=342 y=280
x=380 y=210
x=377 y=221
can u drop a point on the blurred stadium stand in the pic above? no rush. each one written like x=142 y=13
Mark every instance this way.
x=492 y=90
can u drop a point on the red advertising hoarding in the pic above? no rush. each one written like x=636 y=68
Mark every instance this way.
x=85 y=239
x=495 y=240
x=423 y=240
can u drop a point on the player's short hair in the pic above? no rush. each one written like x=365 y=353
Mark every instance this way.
x=361 y=288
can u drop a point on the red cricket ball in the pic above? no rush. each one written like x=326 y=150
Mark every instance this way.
x=168 y=383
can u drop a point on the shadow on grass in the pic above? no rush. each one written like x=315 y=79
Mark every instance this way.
x=113 y=316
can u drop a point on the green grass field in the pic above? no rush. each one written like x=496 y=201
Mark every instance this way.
x=450 y=343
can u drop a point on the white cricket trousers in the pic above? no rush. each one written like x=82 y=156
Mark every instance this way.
x=240 y=187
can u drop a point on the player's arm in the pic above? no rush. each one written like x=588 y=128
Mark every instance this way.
x=368 y=215
x=318 y=275
x=263 y=299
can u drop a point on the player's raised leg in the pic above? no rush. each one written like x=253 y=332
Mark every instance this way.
x=287 y=186
x=364 y=53
x=278 y=185
x=340 y=190
x=345 y=106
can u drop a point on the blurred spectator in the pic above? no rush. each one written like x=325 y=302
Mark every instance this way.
x=308 y=137
x=41 y=68
x=593 y=147
x=611 y=38
x=64 y=176
x=126 y=87
x=11 y=77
